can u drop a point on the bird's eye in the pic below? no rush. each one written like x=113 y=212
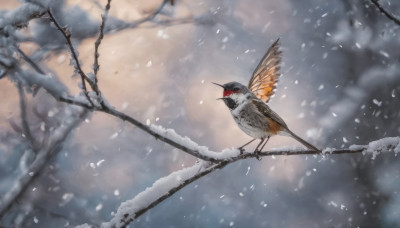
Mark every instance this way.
x=235 y=89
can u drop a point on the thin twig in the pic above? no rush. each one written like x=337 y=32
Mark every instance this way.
x=384 y=11
x=97 y=3
x=29 y=60
x=67 y=35
x=96 y=65
x=150 y=17
x=69 y=100
x=24 y=119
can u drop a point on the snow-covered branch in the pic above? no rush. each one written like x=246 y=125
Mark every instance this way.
x=91 y=99
x=73 y=116
x=21 y=15
x=165 y=187
x=24 y=119
x=162 y=189
x=168 y=136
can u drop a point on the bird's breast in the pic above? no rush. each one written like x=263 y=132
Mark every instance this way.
x=251 y=122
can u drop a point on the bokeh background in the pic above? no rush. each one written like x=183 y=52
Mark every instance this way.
x=340 y=86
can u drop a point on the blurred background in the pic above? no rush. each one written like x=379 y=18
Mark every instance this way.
x=340 y=86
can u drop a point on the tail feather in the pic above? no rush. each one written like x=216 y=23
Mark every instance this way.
x=302 y=141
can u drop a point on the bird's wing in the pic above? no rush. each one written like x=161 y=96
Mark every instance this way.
x=266 y=75
x=266 y=111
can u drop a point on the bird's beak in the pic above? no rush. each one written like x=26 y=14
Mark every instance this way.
x=221 y=86
x=218 y=84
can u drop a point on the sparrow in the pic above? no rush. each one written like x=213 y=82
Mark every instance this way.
x=248 y=105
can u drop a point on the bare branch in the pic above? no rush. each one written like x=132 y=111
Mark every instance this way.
x=97 y=3
x=73 y=101
x=385 y=12
x=67 y=35
x=96 y=65
x=29 y=60
x=135 y=24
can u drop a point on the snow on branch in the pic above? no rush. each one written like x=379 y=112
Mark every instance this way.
x=374 y=148
x=51 y=84
x=186 y=144
x=162 y=189
x=168 y=136
x=21 y=15
x=165 y=187
x=72 y=117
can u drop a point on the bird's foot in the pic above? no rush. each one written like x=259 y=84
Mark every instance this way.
x=241 y=150
x=257 y=153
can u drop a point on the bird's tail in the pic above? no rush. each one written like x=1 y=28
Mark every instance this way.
x=302 y=141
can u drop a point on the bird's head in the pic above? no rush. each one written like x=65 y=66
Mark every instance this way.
x=233 y=88
x=234 y=94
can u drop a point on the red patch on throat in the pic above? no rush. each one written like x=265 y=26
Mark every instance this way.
x=228 y=92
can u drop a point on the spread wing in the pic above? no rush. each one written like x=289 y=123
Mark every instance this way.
x=266 y=75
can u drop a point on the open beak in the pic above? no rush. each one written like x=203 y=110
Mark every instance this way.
x=221 y=86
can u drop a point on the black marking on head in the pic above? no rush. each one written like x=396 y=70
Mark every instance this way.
x=230 y=103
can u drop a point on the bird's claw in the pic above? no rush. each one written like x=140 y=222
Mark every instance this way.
x=257 y=153
x=241 y=150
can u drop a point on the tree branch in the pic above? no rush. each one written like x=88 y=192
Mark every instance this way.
x=214 y=160
x=43 y=157
x=67 y=35
x=24 y=119
x=96 y=65
x=134 y=24
x=167 y=186
x=29 y=60
x=385 y=12
x=53 y=143
x=20 y=16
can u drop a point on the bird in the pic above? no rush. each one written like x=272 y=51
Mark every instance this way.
x=248 y=104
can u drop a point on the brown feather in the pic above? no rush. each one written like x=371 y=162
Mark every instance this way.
x=266 y=111
x=266 y=75
x=274 y=127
